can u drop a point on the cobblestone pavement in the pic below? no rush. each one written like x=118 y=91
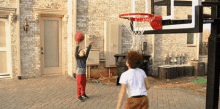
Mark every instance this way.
x=59 y=92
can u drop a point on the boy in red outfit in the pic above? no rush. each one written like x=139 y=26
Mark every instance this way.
x=81 y=58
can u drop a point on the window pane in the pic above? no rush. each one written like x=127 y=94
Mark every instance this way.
x=2 y=34
x=189 y=38
x=3 y=62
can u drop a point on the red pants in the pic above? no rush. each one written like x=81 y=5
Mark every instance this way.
x=81 y=84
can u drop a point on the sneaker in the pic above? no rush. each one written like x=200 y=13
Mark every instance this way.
x=85 y=96
x=80 y=99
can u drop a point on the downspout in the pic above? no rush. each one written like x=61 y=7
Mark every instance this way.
x=18 y=38
x=198 y=38
x=74 y=32
x=198 y=42
x=152 y=54
x=69 y=41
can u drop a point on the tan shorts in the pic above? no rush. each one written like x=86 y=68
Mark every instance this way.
x=137 y=103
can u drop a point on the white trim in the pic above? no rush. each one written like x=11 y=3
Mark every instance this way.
x=3 y=49
x=172 y=12
x=146 y=8
x=199 y=36
x=69 y=41
x=9 y=57
x=7 y=48
x=7 y=11
x=5 y=76
x=18 y=38
x=74 y=32
x=206 y=26
x=133 y=6
x=178 y=26
x=153 y=52
x=49 y=11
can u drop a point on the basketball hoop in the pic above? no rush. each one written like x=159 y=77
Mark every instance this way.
x=127 y=19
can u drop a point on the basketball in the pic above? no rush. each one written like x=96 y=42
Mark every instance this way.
x=79 y=37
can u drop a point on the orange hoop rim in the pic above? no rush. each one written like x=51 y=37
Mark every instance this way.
x=150 y=16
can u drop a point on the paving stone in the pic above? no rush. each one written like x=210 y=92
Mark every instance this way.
x=59 y=92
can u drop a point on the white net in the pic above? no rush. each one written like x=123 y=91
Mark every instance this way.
x=141 y=27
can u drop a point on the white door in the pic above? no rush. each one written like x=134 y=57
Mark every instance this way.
x=5 y=50
x=51 y=46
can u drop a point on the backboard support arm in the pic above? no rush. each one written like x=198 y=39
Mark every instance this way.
x=197 y=29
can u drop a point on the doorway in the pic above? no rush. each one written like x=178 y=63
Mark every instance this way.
x=51 y=53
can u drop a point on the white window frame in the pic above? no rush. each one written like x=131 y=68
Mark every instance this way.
x=8 y=49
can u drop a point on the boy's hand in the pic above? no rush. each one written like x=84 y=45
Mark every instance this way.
x=77 y=43
x=91 y=43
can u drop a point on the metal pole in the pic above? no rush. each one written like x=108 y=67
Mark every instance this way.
x=212 y=91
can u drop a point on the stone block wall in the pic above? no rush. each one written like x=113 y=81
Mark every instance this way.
x=206 y=33
x=8 y=3
x=30 y=41
x=14 y=49
x=172 y=43
x=13 y=35
x=92 y=14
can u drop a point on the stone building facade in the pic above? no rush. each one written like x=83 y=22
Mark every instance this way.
x=87 y=16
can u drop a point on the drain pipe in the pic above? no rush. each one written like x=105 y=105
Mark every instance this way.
x=198 y=44
x=18 y=38
x=74 y=4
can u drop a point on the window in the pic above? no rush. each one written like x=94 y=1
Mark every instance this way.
x=190 y=38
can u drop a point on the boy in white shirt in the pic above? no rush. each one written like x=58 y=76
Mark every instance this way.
x=135 y=82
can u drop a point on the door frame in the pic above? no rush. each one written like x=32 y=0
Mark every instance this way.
x=8 y=48
x=60 y=42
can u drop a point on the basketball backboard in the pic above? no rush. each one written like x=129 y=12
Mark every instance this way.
x=175 y=14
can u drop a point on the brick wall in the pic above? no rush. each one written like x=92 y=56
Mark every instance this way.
x=172 y=43
x=8 y=3
x=30 y=41
x=14 y=49
x=92 y=14
x=13 y=35
x=90 y=20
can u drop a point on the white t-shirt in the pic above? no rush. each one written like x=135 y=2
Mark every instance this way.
x=134 y=80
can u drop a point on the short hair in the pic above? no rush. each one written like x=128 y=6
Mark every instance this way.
x=134 y=59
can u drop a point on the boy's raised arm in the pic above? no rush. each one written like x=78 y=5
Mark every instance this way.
x=76 y=52
x=87 y=51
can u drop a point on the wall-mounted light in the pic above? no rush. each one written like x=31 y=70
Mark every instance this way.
x=90 y=37
x=26 y=25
